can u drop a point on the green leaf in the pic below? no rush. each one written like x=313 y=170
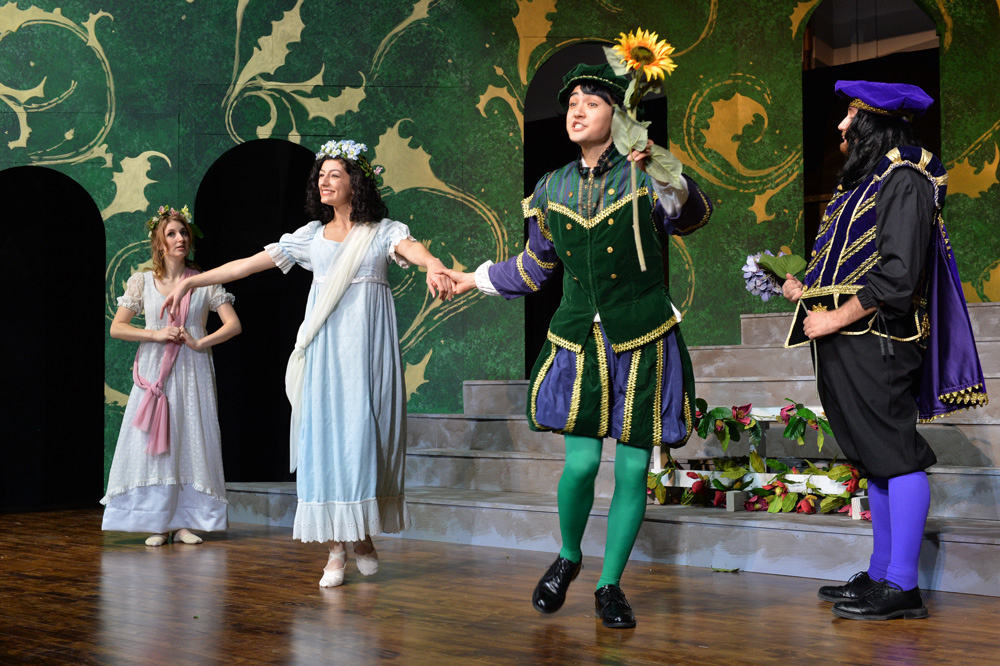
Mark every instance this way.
x=723 y=438
x=819 y=440
x=735 y=473
x=615 y=61
x=825 y=427
x=719 y=485
x=701 y=405
x=788 y=505
x=780 y=266
x=664 y=166
x=633 y=96
x=757 y=463
x=774 y=504
x=628 y=134
x=777 y=466
x=661 y=494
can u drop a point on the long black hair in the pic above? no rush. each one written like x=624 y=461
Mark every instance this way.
x=366 y=202
x=869 y=137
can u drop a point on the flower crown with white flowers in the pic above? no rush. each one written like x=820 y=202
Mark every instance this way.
x=351 y=150
x=163 y=212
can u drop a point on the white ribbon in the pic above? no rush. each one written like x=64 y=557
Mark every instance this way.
x=338 y=279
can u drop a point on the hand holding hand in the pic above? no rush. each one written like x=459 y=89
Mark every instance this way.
x=438 y=281
x=463 y=281
x=792 y=288
x=167 y=334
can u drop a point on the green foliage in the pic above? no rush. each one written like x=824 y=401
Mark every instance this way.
x=781 y=266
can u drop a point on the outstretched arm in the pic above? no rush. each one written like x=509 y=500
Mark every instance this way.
x=229 y=272
x=438 y=281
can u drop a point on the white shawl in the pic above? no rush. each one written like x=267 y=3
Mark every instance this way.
x=345 y=266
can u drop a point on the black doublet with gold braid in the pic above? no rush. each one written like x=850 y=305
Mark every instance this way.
x=846 y=252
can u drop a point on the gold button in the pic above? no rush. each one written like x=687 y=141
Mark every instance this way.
x=569 y=226
x=571 y=194
x=610 y=222
x=813 y=253
x=568 y=253
x=614 y=276
x=611 y=191
x=576 y=278
x=610 y=249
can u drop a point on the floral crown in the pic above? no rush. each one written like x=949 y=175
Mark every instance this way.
x=163 y=212
x=351 y=150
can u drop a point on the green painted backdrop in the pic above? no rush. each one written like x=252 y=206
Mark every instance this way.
x=135 y=100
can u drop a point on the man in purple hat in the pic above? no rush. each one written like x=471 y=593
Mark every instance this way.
x=880 y=288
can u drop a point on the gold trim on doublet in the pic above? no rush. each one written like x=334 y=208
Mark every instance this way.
x=603 y=214
x=657 y=332
x=602 y=369
x=633 y=371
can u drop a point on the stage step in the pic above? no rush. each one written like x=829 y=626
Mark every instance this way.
x=958 y=554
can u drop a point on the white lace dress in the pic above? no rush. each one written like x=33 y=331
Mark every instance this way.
x=183 y=487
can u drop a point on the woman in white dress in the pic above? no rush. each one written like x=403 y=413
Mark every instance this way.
x=345 y=377
x=166 y=476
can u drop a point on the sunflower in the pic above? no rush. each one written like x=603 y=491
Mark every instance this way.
x=643 y=51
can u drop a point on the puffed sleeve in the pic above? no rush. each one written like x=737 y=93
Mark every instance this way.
x=293 y=248
x=390 y=233
x=529 y=270
x=904 y=219
x=132 y=298
x=217 y=295
x=681 y=211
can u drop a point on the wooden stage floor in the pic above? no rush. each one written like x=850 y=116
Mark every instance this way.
x=70 y=594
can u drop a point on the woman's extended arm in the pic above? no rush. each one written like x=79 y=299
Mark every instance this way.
x=437 y=279
x=231 y=327
x=229 y=272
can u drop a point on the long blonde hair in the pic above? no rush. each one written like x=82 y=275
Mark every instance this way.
x=157 y=243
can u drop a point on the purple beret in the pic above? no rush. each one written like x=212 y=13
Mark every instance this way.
x=899 y=100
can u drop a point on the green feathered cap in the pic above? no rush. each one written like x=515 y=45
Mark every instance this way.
x=601 y=75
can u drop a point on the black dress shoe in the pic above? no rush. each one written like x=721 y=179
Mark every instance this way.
x=550 y=593
x=859 y=585
x=885 y=601
x=611 y=606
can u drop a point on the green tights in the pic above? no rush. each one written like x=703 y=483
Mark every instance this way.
x=628 y=504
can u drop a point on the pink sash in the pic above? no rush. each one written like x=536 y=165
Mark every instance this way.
x=153 y=415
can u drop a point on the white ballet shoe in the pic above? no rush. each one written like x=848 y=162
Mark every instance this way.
x=367 y=563
x=184 y=536
x=334 y=577
x=156 y=540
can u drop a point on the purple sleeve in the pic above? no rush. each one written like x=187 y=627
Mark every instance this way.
x=694 y=214
x=530 y=270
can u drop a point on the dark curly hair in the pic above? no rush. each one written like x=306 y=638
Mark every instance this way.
x=869 y=137
x=605 y=93
x=366 y=202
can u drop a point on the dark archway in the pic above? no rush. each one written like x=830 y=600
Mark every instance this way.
x=859 y=40
x=247 y=199
x=546 y=148
x=52 y=355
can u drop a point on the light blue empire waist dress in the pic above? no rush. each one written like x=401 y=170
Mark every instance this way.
x=352 y=438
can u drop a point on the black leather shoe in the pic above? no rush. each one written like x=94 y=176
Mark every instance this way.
x=885 y=601
x=611 y=606
x=859 y=585
x=550 y=593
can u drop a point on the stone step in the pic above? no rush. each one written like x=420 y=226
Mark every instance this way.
x=493 y=471
x=772 y=328
x=740 y=361
x=832 y=547
x=495 y=397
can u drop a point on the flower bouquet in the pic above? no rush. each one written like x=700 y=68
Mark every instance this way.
x=763 y=272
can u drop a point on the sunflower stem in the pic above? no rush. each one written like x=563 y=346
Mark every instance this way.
x=635 y=221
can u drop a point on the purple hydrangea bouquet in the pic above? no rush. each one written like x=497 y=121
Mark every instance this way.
x=764 y=272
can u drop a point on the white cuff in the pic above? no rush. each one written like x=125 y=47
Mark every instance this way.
x=671 y=198
x=483 y=282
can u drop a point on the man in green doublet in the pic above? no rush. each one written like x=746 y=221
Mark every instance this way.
x=614 y=363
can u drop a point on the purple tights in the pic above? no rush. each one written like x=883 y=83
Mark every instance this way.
x=899 y=511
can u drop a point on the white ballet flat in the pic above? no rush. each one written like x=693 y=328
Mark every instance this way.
x=367 y=563
x=187 y=537
x=156 y=540
x=334 y=577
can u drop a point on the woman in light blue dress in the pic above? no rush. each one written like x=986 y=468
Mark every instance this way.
x=351 y=416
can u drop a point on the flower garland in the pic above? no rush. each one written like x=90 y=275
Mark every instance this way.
x=163 y=212
x=351 y=150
